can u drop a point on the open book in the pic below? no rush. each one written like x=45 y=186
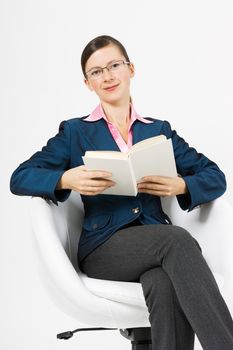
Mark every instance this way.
x=152 y=156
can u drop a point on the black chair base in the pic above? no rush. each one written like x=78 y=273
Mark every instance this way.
x=140 y=337
x=143 y=346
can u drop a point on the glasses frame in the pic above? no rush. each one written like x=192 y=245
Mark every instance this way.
x=109 y=67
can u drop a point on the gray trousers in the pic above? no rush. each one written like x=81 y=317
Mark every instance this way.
x=180 y=291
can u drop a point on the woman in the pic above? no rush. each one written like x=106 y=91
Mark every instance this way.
x=130 y=238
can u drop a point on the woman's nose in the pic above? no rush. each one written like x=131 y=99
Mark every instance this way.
x=107 y=74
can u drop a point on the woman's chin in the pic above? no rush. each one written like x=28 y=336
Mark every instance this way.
x=114 y=99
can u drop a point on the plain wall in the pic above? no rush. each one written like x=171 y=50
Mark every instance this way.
x=183 y=54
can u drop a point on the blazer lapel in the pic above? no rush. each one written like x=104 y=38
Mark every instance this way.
x=98 y=137
x=142 y=131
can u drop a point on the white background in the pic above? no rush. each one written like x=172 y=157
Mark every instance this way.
x=183 y=55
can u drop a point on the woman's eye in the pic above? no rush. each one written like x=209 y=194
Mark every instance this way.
x=96 y=72
x=114 y=66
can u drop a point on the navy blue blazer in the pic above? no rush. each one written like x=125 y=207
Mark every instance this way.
x=105 y=214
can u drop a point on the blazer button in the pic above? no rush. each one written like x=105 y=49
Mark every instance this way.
x=135 y=210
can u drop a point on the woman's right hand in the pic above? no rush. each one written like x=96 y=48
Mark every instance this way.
x=86 y=182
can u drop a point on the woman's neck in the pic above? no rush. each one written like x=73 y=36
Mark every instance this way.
x=118 y=115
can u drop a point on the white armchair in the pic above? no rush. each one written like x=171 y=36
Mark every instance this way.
x=112 y=304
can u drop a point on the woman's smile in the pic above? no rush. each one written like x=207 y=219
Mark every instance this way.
x=111 y=88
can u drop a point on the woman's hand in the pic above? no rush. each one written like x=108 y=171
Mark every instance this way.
x=162 y=185
x=87 y=182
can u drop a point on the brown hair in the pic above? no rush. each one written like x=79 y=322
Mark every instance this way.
x=98 y=43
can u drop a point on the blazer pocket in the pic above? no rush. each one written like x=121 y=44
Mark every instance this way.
x=96 y=223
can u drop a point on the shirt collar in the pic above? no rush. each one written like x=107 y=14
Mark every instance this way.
x=98 y=113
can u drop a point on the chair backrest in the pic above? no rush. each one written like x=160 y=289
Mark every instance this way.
x=210 y=224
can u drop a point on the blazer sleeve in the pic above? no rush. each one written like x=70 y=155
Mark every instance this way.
x=205 y=181
x=39 y=175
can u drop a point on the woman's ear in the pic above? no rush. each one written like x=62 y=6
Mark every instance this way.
x=132 y=70
x=88 y=84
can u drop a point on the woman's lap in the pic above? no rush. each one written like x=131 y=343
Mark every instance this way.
x=130 y=252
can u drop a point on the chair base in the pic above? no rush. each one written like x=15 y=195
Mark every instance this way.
x=143 y=346
x=68 y=334
x=140 y=337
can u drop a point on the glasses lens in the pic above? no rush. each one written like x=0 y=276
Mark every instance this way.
x=115 y=66
x=95 y=73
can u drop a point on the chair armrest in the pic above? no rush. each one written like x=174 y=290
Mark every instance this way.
x=62 y=280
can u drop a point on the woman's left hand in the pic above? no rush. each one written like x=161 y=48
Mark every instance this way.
x=162 y=186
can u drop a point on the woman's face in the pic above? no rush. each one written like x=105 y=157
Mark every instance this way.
x=112 y=86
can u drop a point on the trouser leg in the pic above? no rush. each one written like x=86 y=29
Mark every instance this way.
x=198 y=293
x=172 y=329
x=131 y=252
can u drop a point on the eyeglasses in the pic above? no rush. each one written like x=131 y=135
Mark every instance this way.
x=97 y=72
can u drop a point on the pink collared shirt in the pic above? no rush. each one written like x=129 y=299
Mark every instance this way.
x=98 y=113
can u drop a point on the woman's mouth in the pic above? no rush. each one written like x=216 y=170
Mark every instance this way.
x=111 y=88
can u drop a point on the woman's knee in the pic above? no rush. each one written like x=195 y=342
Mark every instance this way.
x=157 y=283
x=182 y=236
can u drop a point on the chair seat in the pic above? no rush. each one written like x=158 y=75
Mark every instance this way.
x=124 y=292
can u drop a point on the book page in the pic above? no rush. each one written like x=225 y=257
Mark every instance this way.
x=155 y=160
x=106 y=154
x=147 y=143
x=122 y=174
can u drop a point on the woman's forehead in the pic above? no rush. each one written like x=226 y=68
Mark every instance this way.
x=104 y=56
